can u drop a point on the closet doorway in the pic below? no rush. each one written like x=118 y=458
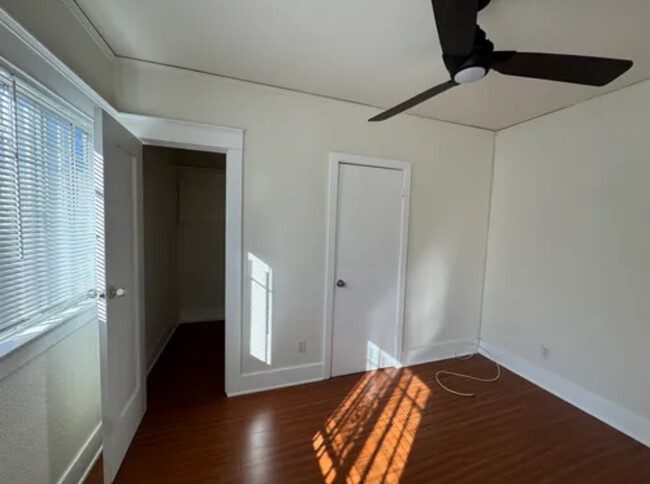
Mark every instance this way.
x=185 y=253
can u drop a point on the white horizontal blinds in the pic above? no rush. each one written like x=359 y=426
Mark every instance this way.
x=10 y=252
x=54 y=266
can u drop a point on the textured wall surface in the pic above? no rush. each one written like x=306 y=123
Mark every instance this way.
x=49 y=408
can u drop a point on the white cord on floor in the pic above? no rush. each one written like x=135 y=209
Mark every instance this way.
x=468 y=377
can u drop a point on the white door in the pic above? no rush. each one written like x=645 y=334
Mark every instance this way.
x=121 y=318
x=370 y=247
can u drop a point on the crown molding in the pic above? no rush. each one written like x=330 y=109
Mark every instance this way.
x=24 y=36
x=90 y=29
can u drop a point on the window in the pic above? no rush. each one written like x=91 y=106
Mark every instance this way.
x=47 y=232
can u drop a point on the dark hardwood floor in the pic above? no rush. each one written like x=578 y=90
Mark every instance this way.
x=386 y=426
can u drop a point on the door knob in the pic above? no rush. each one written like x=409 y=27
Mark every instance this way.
x=340 y=283
x=114 y=292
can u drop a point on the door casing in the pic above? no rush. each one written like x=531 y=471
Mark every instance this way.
x=171 y=133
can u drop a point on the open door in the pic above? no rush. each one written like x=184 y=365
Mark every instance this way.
x=120 y=311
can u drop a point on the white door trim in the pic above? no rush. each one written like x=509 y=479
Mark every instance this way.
x=330 y=272
x=205 y=137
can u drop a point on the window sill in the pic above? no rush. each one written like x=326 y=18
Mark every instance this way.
x=22 y=345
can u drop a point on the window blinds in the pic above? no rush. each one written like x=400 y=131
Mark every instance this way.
x=47 y=238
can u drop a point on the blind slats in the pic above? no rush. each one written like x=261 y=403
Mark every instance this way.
x=47 y=198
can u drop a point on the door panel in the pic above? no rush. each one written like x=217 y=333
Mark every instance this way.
x=367 y=268
x=121 y=322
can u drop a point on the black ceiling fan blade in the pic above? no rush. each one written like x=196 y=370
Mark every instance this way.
x=575 y=69
x=414 y=101
x=456 y=22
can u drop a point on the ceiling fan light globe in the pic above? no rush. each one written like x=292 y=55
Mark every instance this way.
x=470 y=74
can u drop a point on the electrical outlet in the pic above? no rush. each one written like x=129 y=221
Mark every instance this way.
x=545 y=352
x=302 y=346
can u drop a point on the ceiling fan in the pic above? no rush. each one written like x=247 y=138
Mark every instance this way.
x=469 y=55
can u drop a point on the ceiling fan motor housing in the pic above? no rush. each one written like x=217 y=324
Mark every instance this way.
x=470 y=74
x=475 y=66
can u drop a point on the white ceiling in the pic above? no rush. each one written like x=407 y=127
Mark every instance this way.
x=377 y=52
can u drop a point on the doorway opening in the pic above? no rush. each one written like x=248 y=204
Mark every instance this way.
x=128 y=351
x=184 y=195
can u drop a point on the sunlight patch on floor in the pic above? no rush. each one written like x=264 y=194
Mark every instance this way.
x=369 y=436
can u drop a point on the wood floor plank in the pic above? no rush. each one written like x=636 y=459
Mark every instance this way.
x=387 y=426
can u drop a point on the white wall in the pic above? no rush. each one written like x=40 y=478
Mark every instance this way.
x=162 y=306
x=568 y=254
x=287 y=141
x=202 y=243
x=49 y=409
x=54 y=25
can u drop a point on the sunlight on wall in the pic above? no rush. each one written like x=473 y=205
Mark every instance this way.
x=261 y=308
x=377 y=358
x=431 y=287
x=369 y=436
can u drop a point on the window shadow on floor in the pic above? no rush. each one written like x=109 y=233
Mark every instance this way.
x=369 y=436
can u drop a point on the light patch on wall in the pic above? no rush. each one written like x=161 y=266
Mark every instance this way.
x=377 y=358
x=261 y=308
x=431 y=289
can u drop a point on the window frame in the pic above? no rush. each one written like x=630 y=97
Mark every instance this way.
x=22 y=341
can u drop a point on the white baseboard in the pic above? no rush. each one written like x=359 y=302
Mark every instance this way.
x=298 y=375
x=599 y=407
x=85 y=459
x=438 y=351
x=161 y=344
x=284 y=377
x=202 y=315
x=92 y=464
